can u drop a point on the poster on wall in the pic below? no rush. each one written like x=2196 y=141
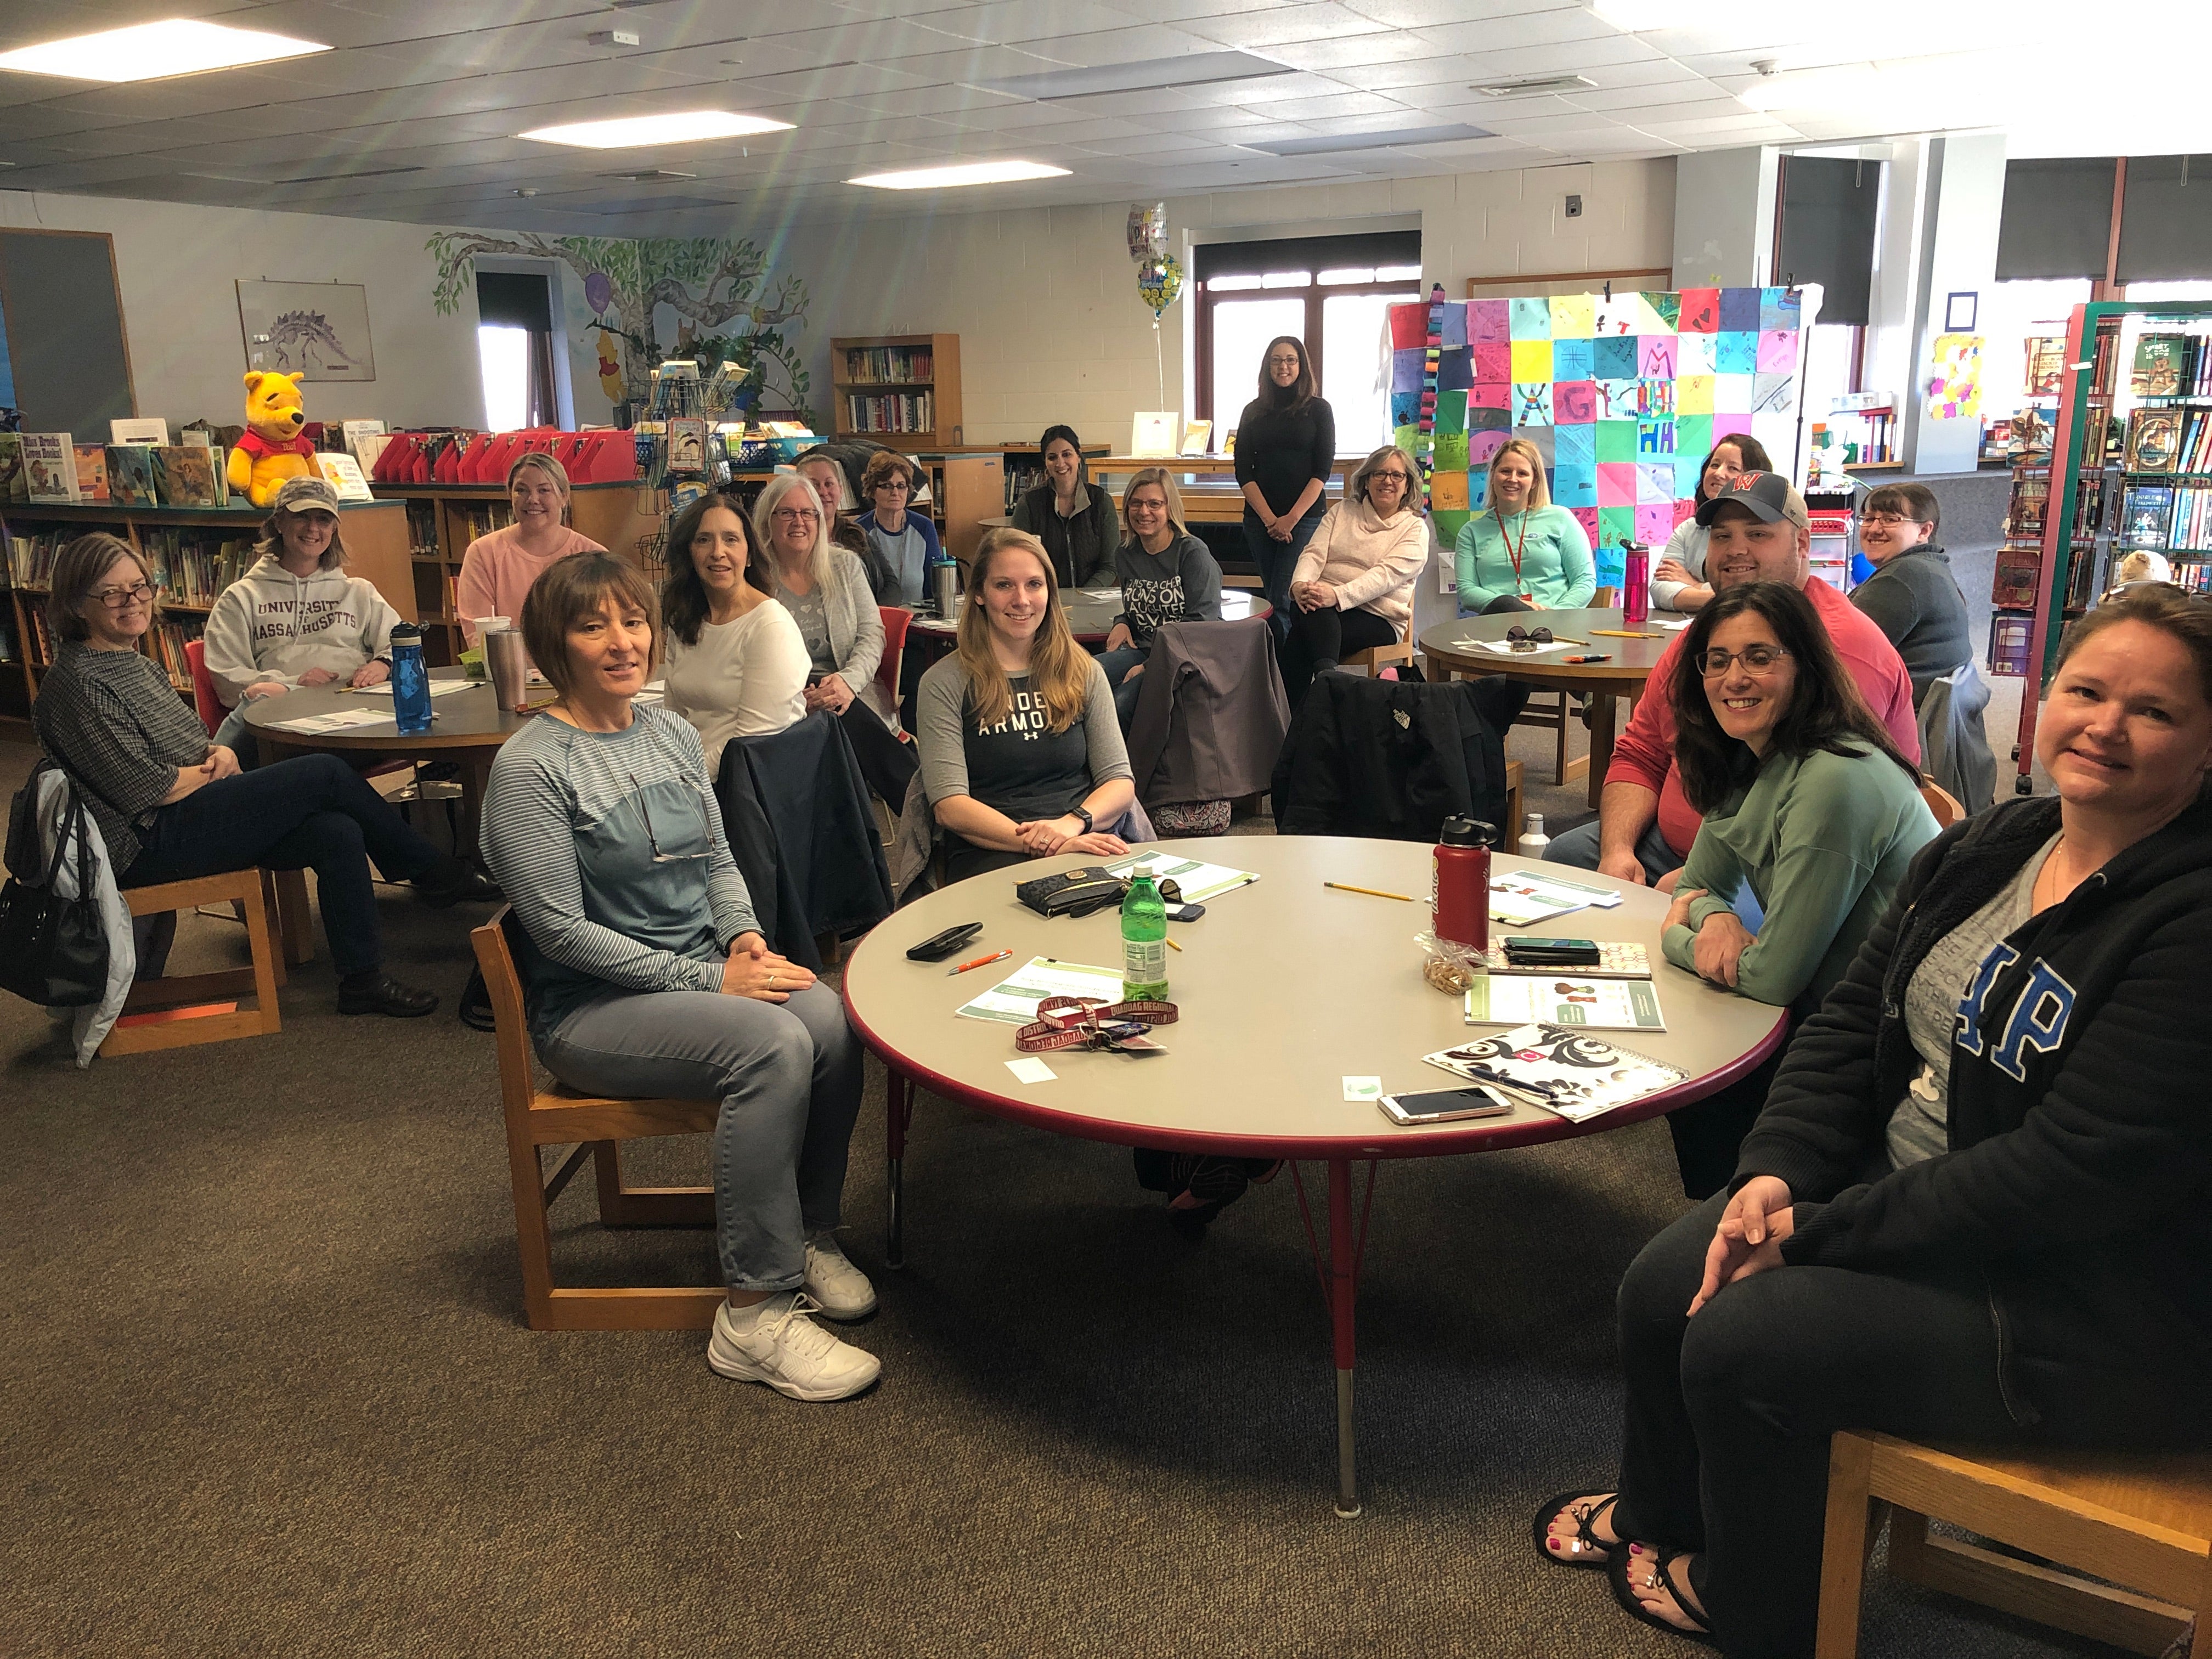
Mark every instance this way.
x=1621 y=394
x=318 y=329
x=1954 y=377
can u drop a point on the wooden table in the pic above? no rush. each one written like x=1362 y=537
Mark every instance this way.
x=1249 y=1072
x=467 y=727
x=1451 y=646
x=1091 y=611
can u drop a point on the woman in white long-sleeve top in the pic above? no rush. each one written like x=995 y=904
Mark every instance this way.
x=648 y=976
x=737 y=666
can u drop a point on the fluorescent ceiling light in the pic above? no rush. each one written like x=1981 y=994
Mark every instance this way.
x=1400 y=138
x=151 y=52
x=686 y=127
x=971 y=173
x=1194 y=68
x=1535 y=84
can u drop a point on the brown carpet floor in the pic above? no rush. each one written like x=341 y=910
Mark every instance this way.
x=267 y=1391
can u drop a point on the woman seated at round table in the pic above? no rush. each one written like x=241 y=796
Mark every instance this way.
x=736 y=664
x=1522 y=553
x=1913 y=596
x=497 y=568
x=903 y=539
x=1167 y=575
x=1021 y=754
x=295 y=617
x=827 y=594
x=1073 y=516
x=827 y=474
x=1353 y=584
x=172 y=807
x=647 y=975
x=1974 y=1209
x=1678 y=582
x=1806 y=802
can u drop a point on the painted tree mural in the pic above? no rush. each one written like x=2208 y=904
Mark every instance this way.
x=717 y=290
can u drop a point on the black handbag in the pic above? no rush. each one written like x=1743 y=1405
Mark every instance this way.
x=53 y=950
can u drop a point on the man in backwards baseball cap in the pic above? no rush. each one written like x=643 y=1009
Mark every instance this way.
x=1757 y=531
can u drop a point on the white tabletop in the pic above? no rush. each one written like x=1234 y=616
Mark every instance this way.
x=1284 y=988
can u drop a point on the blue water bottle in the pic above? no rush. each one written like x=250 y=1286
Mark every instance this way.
x=410 y=680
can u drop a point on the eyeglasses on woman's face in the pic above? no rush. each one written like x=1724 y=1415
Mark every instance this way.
x=1389 y=476
x=1757 y=660
x=115 y=599
x=796 y=515
x=1887 y=520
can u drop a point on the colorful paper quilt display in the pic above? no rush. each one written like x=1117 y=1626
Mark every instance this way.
x=1622 y=395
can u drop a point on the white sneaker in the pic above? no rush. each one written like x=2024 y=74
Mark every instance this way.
x=832 y=1280
x=785 y=1349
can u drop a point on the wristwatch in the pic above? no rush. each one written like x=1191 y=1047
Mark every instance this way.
x=1089 y=824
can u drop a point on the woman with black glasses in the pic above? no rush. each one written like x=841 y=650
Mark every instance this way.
x=648 y=976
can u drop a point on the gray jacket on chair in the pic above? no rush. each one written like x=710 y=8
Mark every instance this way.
x=1955 y=747
x=1210 y=713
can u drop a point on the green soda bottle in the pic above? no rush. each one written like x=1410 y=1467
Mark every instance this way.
x=1144 y=942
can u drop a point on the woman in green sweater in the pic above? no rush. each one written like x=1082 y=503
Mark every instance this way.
x=1522 y=553
x=1807 y=801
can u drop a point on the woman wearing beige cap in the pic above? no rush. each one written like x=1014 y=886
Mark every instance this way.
x=295 y=617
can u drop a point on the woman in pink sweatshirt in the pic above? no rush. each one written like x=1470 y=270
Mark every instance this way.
x=1353 y=584
x=498 y=569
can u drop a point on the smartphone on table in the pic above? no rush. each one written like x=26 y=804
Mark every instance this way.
x=1445 y=1105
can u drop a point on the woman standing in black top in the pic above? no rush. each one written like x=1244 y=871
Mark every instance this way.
x=1071 y=515
x=1286 y=451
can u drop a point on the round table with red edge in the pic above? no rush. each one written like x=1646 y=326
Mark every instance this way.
x=1241 y=1077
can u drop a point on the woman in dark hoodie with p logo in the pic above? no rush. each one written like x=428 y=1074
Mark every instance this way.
x=1979 y=1203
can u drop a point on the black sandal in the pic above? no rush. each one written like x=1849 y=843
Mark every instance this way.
x=1616 y=1575
x=1540 y=1528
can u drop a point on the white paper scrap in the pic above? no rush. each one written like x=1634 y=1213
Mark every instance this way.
x=1032 y=1070
x=1363 y=1088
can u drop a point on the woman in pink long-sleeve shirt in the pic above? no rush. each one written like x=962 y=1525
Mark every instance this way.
x=498 y=569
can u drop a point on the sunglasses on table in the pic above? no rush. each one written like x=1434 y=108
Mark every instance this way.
x=1524 y=638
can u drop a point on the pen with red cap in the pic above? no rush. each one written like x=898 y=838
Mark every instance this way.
x=980 y=962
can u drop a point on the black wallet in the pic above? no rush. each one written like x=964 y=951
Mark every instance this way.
x=1073 y=892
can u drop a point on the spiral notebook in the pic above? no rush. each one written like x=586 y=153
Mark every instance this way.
x=1572 y=1073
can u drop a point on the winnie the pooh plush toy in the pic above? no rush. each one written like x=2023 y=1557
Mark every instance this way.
x=272 y=449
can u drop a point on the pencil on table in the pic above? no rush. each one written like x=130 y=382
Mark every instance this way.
x=1373 y=892
x=1172 y=945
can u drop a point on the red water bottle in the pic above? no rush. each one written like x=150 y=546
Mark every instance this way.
x=1636 y=599
x=1461 y=908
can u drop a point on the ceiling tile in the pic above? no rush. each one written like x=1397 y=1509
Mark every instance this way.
x=1266 y=25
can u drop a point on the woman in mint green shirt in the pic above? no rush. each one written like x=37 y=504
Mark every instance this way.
x=1520 y=553
x=1807 y=801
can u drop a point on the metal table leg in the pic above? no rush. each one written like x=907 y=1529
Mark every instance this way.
x=1340 y=1284
x=898 y=1112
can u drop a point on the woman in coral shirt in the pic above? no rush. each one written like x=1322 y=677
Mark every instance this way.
x=498 y=569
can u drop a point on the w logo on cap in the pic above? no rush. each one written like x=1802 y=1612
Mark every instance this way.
x=1745 y=481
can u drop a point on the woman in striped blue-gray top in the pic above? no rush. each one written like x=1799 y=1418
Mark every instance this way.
x=649 y=975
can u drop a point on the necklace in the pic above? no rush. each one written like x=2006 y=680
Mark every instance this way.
x=1513 y=548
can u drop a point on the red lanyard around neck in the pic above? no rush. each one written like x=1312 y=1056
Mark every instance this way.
x=1513 y=548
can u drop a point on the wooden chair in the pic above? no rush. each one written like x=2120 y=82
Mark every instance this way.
x=1943 y=804
x=1513 y=818
x=256 y=893
x=1376 y=657
x=595 y=1128
x=2141 y=1522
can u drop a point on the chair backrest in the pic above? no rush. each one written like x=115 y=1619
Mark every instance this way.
x=496 y=959
x=1944 y=804
x=895 y=618
x=206 y=704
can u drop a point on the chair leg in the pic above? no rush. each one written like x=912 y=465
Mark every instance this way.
x=533 y=1232
x=299 y=923
x=1844 y=1550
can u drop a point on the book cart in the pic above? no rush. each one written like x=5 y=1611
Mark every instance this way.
x=2108 y=484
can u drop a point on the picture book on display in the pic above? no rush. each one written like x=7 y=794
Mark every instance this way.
x=50 y=459
x=2047 y=365
x=1567 y=1071
x=152 y=429
x=2160 y=365
x=2153 y=439
x=91 y=472
x=130 y=475
x=343 y=474
x=185 y=475
x=2143 y=519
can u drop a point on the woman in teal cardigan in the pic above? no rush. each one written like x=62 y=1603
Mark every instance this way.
x=1807 y=801
x=1520 y=553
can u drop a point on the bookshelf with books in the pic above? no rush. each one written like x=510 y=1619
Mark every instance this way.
x=2125 y=464
x=194 y=553
x=440 y=520
x=902 y=390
